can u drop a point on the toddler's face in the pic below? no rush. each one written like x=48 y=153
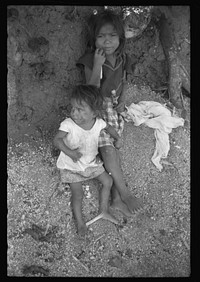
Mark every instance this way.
x=107 y=39
x=81 y=113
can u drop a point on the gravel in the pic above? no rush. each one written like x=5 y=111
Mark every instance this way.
x=155 y=242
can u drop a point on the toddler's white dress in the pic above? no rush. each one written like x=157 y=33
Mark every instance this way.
x=88 y=166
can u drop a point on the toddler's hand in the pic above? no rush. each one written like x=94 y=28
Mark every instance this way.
x=98 y=159
x=118 y=143
x=75 y=155
x=99 y=57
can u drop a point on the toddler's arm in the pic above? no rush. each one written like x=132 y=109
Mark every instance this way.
x=113 y=133
x=75 y=155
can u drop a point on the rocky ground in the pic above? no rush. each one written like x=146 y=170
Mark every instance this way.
x=154 y=242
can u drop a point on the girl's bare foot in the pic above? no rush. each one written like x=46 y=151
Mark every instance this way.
x=121 y=206
x=82 y=229
x=133 y=203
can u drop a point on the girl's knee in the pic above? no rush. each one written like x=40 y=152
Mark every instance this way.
x=108 y=152
x=108 y=182
x=111 y=159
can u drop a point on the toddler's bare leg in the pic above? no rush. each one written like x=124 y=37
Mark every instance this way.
x=111 y=163
x=77 y=197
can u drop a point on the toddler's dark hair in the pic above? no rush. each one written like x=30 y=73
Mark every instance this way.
x=91 y=95
x=95 y=23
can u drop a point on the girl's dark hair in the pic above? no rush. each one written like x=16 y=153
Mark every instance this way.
x=95 y=23
x=91 y=95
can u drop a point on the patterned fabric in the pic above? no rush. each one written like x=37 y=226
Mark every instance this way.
x=114 y=119
x=68 y=176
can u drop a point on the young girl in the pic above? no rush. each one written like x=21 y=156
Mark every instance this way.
x=106 y=66
x=77 y=139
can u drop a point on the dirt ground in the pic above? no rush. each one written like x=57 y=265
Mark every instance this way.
x=43 y=46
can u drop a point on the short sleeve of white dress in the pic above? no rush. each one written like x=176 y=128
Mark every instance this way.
x=102 y=124
x=66 y=125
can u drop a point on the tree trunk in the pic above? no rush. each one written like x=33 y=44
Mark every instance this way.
x=178 y=76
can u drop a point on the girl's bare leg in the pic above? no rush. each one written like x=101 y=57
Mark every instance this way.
x=116 y=201
x=77 y=197
x=104 y=194
x=121 y=195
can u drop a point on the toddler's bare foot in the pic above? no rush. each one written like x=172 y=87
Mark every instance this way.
x=121 y=206
x=82 y=229
x=133 y=203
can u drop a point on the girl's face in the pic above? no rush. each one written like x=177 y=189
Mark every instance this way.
x=81 y=113
x=107 y=39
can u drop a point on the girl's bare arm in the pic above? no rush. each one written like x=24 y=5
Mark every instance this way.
x=93 y=76
x=122 y=97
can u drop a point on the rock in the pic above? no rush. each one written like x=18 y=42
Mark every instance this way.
x=129 y=253
x=42 y=70
x=35 y=269
x=162 y=232
x=115 y=261
x=36 y=43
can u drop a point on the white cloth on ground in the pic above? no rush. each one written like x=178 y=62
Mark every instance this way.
x=154 y=115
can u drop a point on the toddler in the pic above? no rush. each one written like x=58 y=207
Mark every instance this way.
x=77 y=140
